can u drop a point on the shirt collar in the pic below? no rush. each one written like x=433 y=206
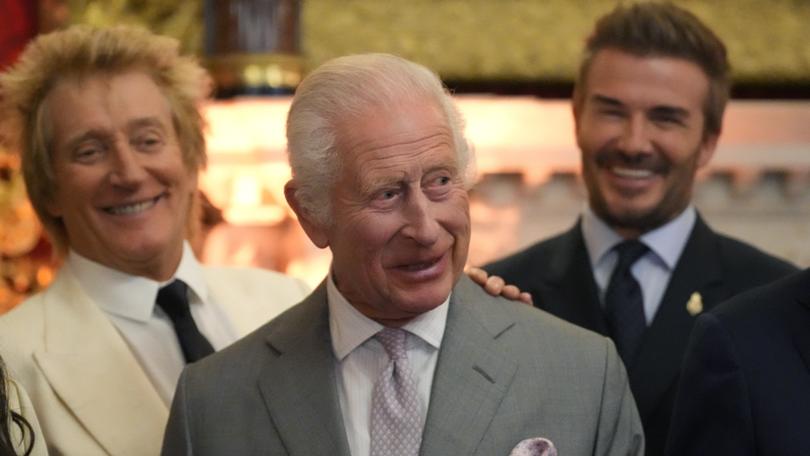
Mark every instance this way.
x=350 y=328
x=132 y=296
x=666 y=241
x=669 y=240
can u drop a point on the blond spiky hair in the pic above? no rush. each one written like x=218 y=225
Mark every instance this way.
x=80 y=52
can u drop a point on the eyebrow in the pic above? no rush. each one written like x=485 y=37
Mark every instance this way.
x=105 y=134
x=665 y=110
x=670 y=111
x=373 y=185
x=601 y=99
x=145 y=122
x=93 y=133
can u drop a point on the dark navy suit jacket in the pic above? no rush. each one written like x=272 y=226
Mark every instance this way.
x=557 y=272
x=745 y=388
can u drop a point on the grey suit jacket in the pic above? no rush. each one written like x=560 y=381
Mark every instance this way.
x=505 y=372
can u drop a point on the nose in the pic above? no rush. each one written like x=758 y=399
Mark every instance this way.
x=635 y=137
x=127 y=170
x=420 y=220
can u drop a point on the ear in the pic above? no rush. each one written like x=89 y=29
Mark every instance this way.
x=315 y=231
x=576 y=111
x=707 y=148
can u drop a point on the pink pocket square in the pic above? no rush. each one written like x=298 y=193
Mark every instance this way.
x=537 y=446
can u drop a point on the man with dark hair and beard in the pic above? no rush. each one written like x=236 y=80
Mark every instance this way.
x=640 y=264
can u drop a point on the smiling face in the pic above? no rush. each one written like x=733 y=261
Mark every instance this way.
x=400 y=216
x=640 y=129
x=121 y=188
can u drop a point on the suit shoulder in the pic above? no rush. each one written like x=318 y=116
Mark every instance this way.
x=759 y=305
x=531 y=327
x=22 y=330
x=248 y=275
x=257 y=279
x=240 y=355
x=230 y=366
x=750 y=264
x=548 y=327
x=24 y=319
x=534 y=258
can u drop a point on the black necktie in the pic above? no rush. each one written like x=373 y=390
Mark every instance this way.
x=624 y=303
x=173 y=300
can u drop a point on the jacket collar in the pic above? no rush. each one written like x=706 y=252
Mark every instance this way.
x=92 y=370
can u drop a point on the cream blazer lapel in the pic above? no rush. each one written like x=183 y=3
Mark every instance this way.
x=92 y=370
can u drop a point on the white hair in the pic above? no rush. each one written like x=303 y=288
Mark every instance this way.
x=345 y=89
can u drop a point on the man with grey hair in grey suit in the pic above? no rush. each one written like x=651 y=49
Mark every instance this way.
x=397 y=352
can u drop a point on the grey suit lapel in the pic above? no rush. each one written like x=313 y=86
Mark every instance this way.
x=298 y=386
x=472 y=375
x=658 y=363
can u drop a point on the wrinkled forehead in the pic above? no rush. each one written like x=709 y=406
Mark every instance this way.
x=101 y=84
x=647 y=79
x=410 y=127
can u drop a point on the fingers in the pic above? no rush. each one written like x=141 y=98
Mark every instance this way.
x=478 y=275
x=494 y=285
x=510 y=292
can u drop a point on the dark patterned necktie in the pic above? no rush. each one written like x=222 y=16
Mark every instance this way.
x=173 y=299
x=624 y=303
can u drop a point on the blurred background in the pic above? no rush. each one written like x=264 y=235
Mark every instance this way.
x=511 y=64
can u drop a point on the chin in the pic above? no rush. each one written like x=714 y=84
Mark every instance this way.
x=417 y=302
x=145 y=248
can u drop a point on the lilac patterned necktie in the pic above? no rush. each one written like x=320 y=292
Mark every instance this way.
x=396 y=418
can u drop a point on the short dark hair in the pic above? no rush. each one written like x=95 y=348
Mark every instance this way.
x=664 y=30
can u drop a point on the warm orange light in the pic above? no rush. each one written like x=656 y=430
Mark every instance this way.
x=520 y=136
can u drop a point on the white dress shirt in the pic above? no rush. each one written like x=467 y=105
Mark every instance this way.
x=360 y=359
x=129 y=302
x=653 y=270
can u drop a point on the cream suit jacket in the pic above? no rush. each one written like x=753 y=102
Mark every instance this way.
x=90 y=393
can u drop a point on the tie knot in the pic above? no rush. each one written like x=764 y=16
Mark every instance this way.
x=173 y=299
x=629 y=252
x=393 y=340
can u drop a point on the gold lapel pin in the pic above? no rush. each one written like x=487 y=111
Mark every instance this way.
x=695 y=304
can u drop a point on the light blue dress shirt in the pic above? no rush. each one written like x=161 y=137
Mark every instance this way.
x=653 y=270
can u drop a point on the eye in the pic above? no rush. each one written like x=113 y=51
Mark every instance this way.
x=387 y=195
x=386 y=198
x=89 y=151
x=148 y=142
x=439 y=185
x=611 y=112
x=443 y=180
x=666 y=119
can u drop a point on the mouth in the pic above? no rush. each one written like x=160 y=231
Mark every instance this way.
x=632 y=173
x=419 y=266
x=133 y=208
x=422 y=269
